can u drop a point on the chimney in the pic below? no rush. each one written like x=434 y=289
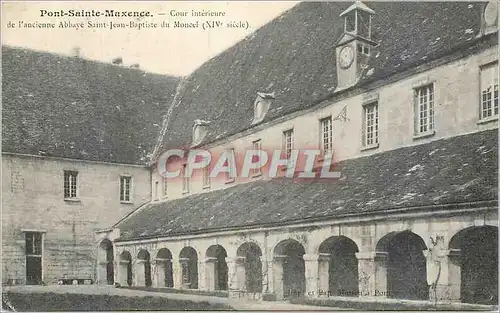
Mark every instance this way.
x=117 y=61
x=75 y=52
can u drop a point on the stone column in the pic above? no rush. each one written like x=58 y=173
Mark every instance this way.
x=123 y=272
x=312 y=274
x=268 y=280
x=176 y=273
x=380 y=280
x=454 y=266
x=102 y=273
x=367 y=273
x=154 y=273
x=210 y=274
x=202 y=273
x=324 y=275
x=278 y=287
x=232 y=283
x=140 y=279
x=443 y=269
x=240 y=273
x=184 y=281
x=160 y=265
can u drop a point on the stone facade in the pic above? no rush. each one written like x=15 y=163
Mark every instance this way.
x=33 y=201
x=370 y=236
x=455 y=85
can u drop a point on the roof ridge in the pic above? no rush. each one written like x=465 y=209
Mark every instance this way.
x=166 y=119
x=62 y=55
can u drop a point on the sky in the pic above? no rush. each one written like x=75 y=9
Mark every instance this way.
x=173 y=51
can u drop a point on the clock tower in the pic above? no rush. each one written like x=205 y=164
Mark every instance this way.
x=356 y=46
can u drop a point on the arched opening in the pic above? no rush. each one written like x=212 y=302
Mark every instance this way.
x=342 y=268
x=478 y=261
x=406 y=265
x=216 y=268
x=143 y=269
x=164 y=272
x=188 y=259
x=125 y=270
x=106 y=258
x=290 y=278
x=250 y=253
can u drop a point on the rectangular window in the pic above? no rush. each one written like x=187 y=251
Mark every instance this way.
x=424 y=109
x=489 y=91
x=33 y=244
x=326 y=135
x=185 y=179
x=206 y=176
x=257 y=146
x=70 y=181
x=165 y=188
x=288 y=142
x=125 y=187
x=370 y=124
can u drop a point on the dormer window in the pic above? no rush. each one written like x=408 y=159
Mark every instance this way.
x=200 y=130
x=261 y=106
x=358 y=20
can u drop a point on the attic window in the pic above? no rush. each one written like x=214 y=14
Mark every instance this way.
x=200 y=130
x=261 y=106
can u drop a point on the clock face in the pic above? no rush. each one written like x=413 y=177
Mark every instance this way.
x=346 y=57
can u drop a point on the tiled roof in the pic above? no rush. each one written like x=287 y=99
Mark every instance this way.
x=75 y=108
x=461 y=169
x=293 y=56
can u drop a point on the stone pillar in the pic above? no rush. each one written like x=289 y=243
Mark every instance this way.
x=323 y=275
x=443 y=269
x=102 y=273
x=312 y=274
x=454 y=264
x=159 y=278
x=240 y=273
x=140 y=278
x=176 y=273
x=380 y=279
x=232 y=283
x=184 y=281
x=210 y=274
x=268 y=280
x=278 y=287
x=116 y=266
x=154 y=273
x=367 y=273
x=123 y=272
x=202 y=273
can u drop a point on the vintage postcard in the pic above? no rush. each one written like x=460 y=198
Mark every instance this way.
x=283 y=156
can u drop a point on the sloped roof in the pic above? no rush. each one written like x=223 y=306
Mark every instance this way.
x=461 y=169
x=293 y=56
x=70 y=107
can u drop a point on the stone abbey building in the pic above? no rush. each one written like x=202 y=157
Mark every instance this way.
x=404 y=95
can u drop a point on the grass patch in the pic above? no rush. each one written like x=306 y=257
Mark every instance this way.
x=216 y=293
x=81 y=302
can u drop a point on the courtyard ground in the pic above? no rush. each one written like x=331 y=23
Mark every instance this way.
x=109 y=298
x=150 y=300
